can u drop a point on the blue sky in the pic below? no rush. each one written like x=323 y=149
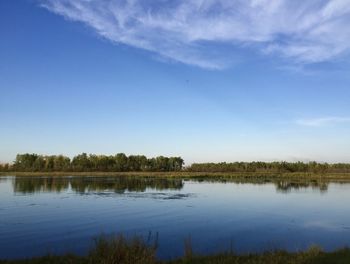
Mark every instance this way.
x=208 y=80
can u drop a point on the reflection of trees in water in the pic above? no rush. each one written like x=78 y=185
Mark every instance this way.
x=32 y=185
x=2 y=179
x=282 y=185
x=287 y=186
x=122 y=184
x=90 y=184
x=140 y=184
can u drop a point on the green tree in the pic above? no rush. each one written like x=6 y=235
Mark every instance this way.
x=121 y=162
x=81 y=162
x=25 y=162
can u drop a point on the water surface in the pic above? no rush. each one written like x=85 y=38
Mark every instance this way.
x=40 y=215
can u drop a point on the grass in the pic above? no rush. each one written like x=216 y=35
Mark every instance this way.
x=189 y=174
x=119 y=250
x=312 y=256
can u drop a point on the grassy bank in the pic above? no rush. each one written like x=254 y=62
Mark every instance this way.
x=122 y=251
x=187 y=174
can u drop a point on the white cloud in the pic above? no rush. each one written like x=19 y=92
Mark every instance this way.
x=323 y=121
x=195 y=31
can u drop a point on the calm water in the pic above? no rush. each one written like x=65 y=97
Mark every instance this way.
x=54 y=215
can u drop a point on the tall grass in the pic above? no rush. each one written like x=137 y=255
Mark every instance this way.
x=124 y=251
x=119 y=250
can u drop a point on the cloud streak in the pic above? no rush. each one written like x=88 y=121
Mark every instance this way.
x=207 y=33
x=324 y=121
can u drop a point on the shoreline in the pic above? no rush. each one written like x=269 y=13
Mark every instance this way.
x=136 y=251
x=187 y=174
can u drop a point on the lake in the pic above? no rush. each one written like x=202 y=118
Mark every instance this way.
x=40 y=215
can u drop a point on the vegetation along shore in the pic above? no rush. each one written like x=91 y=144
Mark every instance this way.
x=140 y=165
x=136 y=251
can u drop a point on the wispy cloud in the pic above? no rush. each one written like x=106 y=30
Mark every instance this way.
x=195 y=31
x=323 y=121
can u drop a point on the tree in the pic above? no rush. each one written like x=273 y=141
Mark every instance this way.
x=39 y=164
x=121 y=162
x=25 y=162
x=61 y=163
x=81 y=162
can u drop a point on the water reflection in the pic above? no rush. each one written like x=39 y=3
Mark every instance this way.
x=286 y=187
x=2 y=179
x=82 y=185
x=281 y=185
x=85 y=185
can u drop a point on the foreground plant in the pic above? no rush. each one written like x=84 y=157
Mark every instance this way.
x=123 y=251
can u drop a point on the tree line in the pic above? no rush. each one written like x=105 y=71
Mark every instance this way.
x=271 y=167
x=84 y=162
x=121 y=162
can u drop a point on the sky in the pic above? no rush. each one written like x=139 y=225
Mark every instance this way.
x=208 y=80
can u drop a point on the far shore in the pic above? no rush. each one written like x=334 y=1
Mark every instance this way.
x=189 y=174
